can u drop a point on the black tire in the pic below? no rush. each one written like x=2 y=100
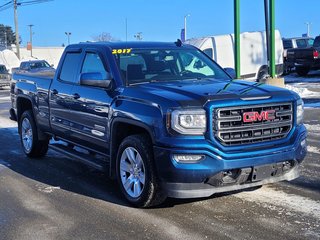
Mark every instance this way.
x=151 y=194
x=38 y=148
x=302 y=71
x=262 y=76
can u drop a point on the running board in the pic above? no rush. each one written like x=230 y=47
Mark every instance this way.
x=80 y=157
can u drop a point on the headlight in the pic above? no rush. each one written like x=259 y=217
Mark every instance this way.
x=191 y=122
x=300 y=110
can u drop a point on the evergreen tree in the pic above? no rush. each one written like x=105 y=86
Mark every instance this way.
x=7 y=35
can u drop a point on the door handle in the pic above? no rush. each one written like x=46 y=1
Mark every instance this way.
x=76 y=96
x=54 y=91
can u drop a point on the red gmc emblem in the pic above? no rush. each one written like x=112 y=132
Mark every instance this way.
x=256 y=116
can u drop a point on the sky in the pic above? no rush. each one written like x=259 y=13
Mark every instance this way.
x=160 y=20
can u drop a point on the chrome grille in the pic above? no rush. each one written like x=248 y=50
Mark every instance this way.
x=230 y=129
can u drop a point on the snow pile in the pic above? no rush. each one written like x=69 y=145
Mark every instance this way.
x=9 y=59
x=303 y=92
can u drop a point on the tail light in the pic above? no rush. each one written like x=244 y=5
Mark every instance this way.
x=315 y=54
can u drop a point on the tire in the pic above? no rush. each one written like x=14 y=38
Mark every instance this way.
x=136 y=174
x=31 y=145
x=302 y=71
x=262 y=76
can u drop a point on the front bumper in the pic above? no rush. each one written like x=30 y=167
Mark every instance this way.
x=201 y=179
x=4 y=82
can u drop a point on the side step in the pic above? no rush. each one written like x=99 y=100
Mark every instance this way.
x=87 y=159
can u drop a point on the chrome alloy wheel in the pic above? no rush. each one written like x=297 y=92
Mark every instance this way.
x=132 y=172
x=26 y=134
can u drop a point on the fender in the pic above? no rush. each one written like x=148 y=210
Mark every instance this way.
x=41 y=135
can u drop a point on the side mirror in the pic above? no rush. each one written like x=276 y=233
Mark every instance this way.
x=95 y=79
x=231 y=72
x=52 y=65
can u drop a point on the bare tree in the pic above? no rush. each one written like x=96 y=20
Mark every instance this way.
x=104 y=37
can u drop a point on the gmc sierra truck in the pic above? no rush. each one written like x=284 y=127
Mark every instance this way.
x=162 y=118
x=305 y=59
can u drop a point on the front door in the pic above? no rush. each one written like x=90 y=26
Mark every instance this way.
x=60 y=94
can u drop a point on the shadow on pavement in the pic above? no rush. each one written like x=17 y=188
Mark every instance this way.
x=58 y=171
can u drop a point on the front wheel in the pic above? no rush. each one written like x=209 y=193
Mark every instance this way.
x=32 y=146
x=136 y=172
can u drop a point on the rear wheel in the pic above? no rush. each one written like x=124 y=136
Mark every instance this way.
x=136 y=172
x=32 y=146
x=302 y=71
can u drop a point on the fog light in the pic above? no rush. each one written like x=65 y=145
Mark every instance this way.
x=187 y=158
x=303 y=143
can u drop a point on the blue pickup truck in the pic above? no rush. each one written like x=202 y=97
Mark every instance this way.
x=161 y=118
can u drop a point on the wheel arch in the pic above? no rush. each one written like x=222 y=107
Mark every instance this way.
x=23 y=104
x=120 y=129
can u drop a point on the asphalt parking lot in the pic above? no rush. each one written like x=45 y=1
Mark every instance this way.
x=56 y=198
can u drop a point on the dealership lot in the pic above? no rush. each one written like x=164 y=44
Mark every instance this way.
x=56 y=198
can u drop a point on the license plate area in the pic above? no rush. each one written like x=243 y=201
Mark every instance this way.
x=262 y=172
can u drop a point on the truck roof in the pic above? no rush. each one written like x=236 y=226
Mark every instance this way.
x=132 y=44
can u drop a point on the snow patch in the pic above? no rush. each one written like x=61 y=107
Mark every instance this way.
x=281 y=201
x=48 y=189
x=7 y=123
x=303 y=92
x=313 y=149
x=312 y=128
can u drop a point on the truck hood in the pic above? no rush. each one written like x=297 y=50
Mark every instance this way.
x=198 y=92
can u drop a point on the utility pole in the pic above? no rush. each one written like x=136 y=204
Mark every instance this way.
x=237 y=37
x=68 y=35
x=185 y=26
x=15 y=6
x=31 y=45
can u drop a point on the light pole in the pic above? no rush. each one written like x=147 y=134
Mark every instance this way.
x=185 y=26
x=31 y=46
x=308 y=28
x=138 y=36
x=68 y=35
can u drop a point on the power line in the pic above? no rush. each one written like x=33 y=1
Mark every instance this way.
x=6 y=6
x=15 y=4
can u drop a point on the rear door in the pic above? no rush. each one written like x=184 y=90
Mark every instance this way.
x=60 y=93
x=90 y=106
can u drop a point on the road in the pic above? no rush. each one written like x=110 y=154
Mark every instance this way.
x=56 y=198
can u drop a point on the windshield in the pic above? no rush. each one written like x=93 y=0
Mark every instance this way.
x=42 y=64
x=156 y=65
x=3 y=69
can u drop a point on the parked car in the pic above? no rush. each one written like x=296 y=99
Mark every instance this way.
x=253 y=53
x=39 y=67
x=5 y=76
x=305 y=59
x=161 y=118
x=289 y=43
